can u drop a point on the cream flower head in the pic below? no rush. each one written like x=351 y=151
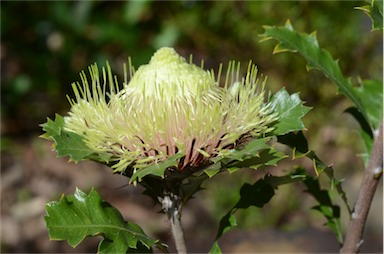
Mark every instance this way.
x=169 y=107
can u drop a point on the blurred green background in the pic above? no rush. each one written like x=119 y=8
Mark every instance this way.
x=44 y=45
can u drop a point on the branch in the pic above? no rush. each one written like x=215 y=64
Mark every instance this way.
x=373 y=172
x=170 y=206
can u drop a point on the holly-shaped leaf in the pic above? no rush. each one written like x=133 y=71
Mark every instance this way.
x=157 y=169
x=290 y=110
x=67 y=143
x=255 y=154
x=330 y=211
x=317 y=58
x=78 y=216
x=257 y=194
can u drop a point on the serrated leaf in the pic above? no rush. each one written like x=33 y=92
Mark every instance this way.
x=290 y=110
x=68 y=143
x=250 y=150
x=72 y=145
x=299 y=145
x=375 y=12
x=257 y=194
x=156 y=169
x=297 y=142
x=52 y=128
x=331 y=212
x=276 y=181
x=266 y=157
x=213 y=169
x=317 y=58
x=255 y=154
x=78 y=216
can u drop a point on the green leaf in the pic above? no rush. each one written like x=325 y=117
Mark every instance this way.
x=266 y=157
x=297 y=142
x=250 y=150
x=275 y=181
x=308 y=47
x=156 y=169
x=331 y=212
x=375 y=12
x=215 y=248
x=72 y=145
x=371 y=95
x=213 y=169
x=258 y=194
x=255 y=154
x=290 y=110
x=68 y=143
x=299 y=145
x=78 y=216
x=365 y=133
x=52 y=128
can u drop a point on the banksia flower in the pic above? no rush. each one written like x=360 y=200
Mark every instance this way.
x=169 y=107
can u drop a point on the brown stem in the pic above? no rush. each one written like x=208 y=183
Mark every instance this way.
x=170 y=204
x=372 y=175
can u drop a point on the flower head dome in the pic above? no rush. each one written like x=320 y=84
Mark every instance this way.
x=169 y=107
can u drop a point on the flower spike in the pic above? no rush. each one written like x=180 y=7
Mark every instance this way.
x=169 y=107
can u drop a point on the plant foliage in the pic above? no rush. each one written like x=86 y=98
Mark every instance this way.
x=78 y=216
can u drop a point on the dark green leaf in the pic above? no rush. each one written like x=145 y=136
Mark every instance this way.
x=331 y=212
x=276 y=181
x=308 y=47
x=299 y=145
x=191 y=185
x=371 y=95
x=361 y=120
x=365 y=133
x=258 y=194
x=81 y=215
x=290 y=110
x=297 y=141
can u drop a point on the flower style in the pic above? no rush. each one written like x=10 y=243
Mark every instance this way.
x=168 y=108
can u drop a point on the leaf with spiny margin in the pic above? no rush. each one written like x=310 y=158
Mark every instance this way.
x=52 y=128
x=157 y=169
x=257 y=194
x=308 y=47
x=299 y=145
x=375 y=12
x=255 y=154
x=266 y=157
x=330 y=211
x=81 y=215
x=290 y=110
x=67 y=143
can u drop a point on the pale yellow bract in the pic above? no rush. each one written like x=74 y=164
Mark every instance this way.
x=169 y=106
